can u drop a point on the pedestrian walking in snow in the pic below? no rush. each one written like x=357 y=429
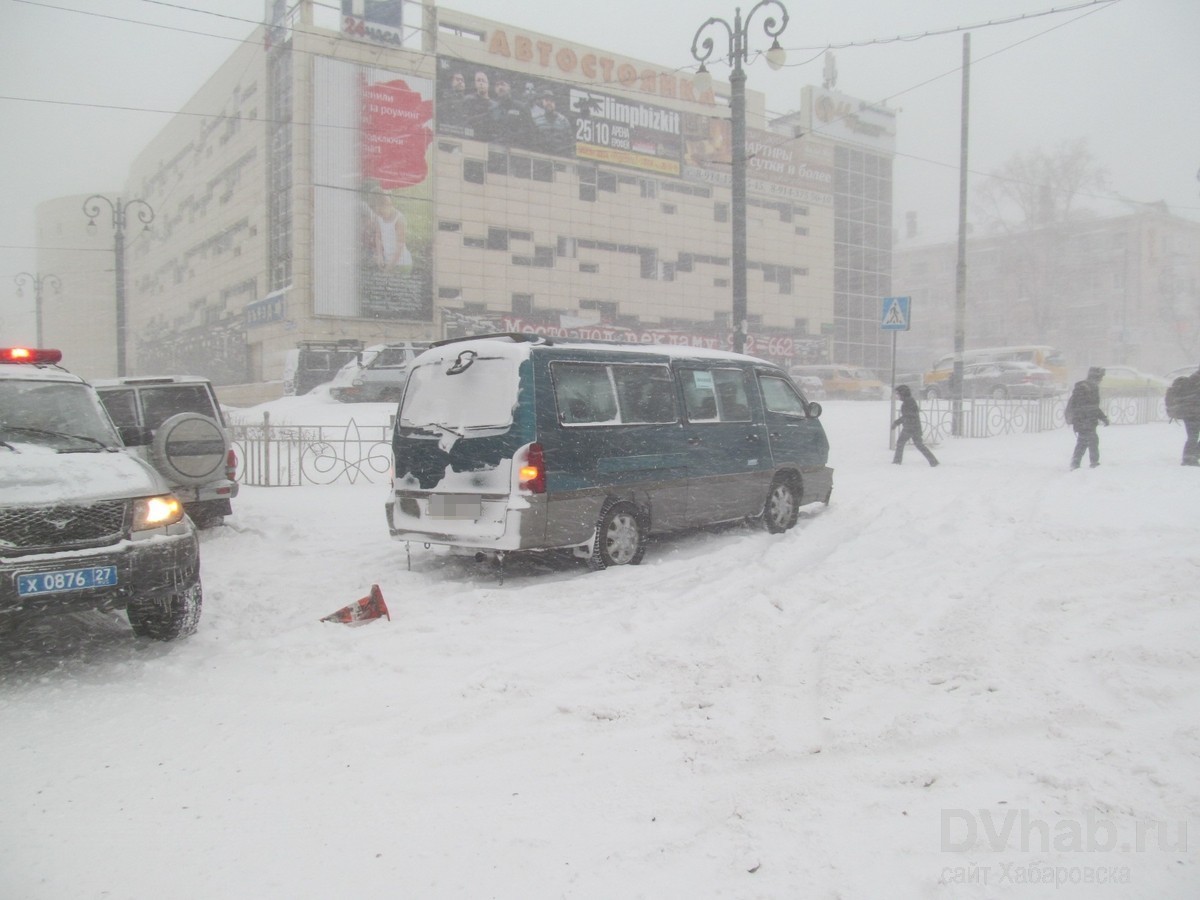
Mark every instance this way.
x=1083 y=413
x=909 y=424
x=1183 y=403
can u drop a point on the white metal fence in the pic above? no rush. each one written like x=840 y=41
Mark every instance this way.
x=291 y=455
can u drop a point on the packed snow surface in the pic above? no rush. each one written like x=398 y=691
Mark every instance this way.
x=980 y=680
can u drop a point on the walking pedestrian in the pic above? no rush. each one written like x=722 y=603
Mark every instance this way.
x=909 y=424
x=1183 y=403
x=1083 y=413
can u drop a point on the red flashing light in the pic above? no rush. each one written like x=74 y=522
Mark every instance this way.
x=32 y=355
x=531 y=474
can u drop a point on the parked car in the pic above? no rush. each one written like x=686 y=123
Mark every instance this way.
x=1049 y=358
x=1126 y=381
x=845 y=382
x=378 y=376
x=1000 y=380
x=514 y=443
x=84 y=524
x=315 y=362
x=176 y=424
x=811 y=386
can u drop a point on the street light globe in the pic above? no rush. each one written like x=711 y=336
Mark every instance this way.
x=776 y=56
x=703 y=80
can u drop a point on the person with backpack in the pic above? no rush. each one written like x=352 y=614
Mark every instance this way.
x=1083 y=413
x=910 y=426
x=1183 y=403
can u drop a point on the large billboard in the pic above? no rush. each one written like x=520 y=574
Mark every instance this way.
x=373 y=209
x=776 y=166
x=486 y=103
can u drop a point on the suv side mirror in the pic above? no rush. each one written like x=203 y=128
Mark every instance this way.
x=135 y=435
x=814 y=410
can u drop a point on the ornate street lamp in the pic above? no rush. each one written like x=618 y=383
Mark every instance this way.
x=36 y=281
x=736 y=54
x=120 y=211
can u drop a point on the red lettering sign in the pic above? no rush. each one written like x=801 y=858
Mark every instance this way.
x=396 y=134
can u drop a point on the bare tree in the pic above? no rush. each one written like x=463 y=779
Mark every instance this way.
x=1038 y=189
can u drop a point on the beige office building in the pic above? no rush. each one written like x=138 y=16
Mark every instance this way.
x=390 y=181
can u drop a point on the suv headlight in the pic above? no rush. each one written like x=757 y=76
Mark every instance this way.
x=156 y=512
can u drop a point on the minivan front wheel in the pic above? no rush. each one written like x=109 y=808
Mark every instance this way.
x=620 y=537
x=783 y=505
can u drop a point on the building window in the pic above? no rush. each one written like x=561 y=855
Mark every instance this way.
x=522 y=304
x=589 y=268
x=606 y=181
x=497 y=239
x=449 y=226
x=497 y=162
x=649 y=189
x=449 y=293
x=473 y=171
x=721 y=282
x=543 y=257
x=668 y=271
x=785 y=280
x=449 y=147
x=567 y=247
x=476 y=242
x=668 y=209
x=543 y=170
x=520 y=167
x=720 y=212
x=649 y=262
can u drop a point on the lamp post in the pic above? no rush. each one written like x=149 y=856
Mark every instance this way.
x=120 y=212
x=736 y=36
x=36 y=281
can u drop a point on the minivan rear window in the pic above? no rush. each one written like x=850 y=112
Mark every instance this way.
x=480 y=394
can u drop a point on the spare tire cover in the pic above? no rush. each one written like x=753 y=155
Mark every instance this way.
x=190 y=449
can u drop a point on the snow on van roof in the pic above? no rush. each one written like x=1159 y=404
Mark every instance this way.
x=520 y=346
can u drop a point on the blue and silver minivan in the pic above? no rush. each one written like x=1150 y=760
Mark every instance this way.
x=516 y=442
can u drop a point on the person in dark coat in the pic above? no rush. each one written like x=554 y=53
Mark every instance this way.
x=909 y=424
x=1084 y=414
x=1189 y=412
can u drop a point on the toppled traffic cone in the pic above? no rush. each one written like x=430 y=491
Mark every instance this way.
x=364 y=610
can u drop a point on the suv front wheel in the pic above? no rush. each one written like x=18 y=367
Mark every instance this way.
x=167 y=617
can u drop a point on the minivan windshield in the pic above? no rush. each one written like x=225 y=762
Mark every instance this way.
x=481 y=394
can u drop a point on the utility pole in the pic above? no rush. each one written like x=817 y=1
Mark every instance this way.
x=960 y=303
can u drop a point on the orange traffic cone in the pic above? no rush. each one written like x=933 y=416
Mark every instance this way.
x=360 y=611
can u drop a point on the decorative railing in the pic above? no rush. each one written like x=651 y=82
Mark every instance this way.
x=291 y=455
x=992 y=417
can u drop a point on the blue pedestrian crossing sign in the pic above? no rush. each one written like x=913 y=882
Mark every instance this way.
x=895 y=316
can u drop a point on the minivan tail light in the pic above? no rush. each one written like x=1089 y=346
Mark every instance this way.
x=231 y=465
x=531 y=472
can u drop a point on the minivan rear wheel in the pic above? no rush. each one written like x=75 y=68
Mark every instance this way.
x=620 y=537
x=783 y=505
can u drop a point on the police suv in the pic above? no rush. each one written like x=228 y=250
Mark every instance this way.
x=84 y=524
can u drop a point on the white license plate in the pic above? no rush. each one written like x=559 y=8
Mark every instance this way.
x=455 y=506
x=31 y=584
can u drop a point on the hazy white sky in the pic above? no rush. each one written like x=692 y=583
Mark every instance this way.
x=84 y=84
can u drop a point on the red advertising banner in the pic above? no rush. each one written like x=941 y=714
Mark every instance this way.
x=397 y=130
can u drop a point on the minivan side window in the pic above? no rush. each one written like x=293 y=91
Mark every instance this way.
x=588 y=393
x=584 y=393
x=646 y=393
x=711 y=395
x=780 y=396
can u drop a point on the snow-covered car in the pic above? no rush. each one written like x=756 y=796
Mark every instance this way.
x=1126 y=381
x=84 y=524
x=811 y=386
x=1000 y=380
x=176 y=424
x=379 y=376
